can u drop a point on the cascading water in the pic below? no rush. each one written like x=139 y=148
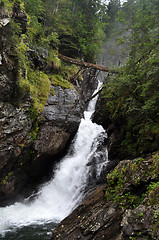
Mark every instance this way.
x=57 y=198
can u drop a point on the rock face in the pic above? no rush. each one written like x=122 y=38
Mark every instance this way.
x=8 y=60
x=114 y=132
x=94 y=219
x=19 y=155
x=28 y=151
x=61 y=116
x=23 y=160
x=64 y=109
x=125 y=207
x=14 y=142
x=15 y=123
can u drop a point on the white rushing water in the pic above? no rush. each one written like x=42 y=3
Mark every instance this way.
x=57 y=198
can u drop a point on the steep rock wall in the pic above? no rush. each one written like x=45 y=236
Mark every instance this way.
x=104 y=118
x=28 y=151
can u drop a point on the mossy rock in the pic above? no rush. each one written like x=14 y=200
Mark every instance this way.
x=132 y=180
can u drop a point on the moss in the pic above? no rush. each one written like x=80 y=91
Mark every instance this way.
x=69 y=71
x=52 y=91
x=40 y=87
x=35 y=83
x=53 y=59
x=7 y=178
x=4 y=181
x=34 y=130
x=156 y=224
x=10 y=174
x=7 y=4
x=131 y=182
x=58 y=80
x=153 y=192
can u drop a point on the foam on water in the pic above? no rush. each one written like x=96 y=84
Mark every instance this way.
x=57 y=198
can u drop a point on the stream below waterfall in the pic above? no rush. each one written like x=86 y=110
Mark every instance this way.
x=34 y=220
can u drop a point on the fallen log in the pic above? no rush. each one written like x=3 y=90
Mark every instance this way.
x=86 y=64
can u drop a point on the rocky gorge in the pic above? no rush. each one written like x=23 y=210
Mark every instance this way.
x=124 y=204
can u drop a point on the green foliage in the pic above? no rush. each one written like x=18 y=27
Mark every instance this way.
x=7 y=178
x=117 y=180
x=58 y=80
x=132 y=97
x=118 y=194
x=33 y=82
x=53 y=59
x=34 y=7
x=141 y=214
x=139 y=160
x=156 y=215
x=153 y=190
x=78 y=25
x=112 y=10
x=153 y=186
x=123 y=188
x=34 y=131
x=7 y=4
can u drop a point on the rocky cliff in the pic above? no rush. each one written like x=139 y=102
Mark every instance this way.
x=29 y=146
x=103 y=117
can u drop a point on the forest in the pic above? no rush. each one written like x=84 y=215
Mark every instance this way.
x=132 y=96
x=78 y=29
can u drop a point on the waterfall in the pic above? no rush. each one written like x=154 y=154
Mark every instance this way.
x=58 y=197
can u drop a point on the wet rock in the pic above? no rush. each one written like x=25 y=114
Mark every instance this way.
x=141 y=223
x=15 y=127
x=88 y=84
x=50 y=139
x=50 y=142
x=116 y=217
x=104 y=118
x=61 y=115
x=64 y=109
x=94 y=219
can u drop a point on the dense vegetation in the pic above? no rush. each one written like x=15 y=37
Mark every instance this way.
x=73 y=28
x=76 y=29
x=133 y=185
x=132 y=96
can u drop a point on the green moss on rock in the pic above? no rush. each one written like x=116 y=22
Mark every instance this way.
x=58 y=80
x=134 y=180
